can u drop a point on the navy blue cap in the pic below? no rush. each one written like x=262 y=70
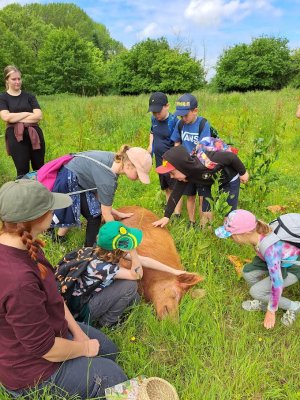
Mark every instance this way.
x=185 y=103
x=157 y=101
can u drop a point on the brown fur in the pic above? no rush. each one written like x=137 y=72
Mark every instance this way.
x=162 y=289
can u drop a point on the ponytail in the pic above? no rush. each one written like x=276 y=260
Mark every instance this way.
x=121 y=156
x=262 y=228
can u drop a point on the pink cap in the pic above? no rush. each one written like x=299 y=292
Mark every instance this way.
x=237 y=221
x=142 y=161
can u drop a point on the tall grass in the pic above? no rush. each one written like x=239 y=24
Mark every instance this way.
x=216 y=350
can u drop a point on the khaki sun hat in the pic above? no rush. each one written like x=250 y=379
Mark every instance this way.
x=142 y=161
x=157 y=389
x=26 y=200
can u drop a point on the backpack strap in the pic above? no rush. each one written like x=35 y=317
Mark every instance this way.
x=201 y=126
x=180 y=126
x=268 y=241
x=96 y=161
x=282 y=225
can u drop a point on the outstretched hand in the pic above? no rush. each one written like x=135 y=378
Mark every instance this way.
x=161 y=222
x=269 y=321
x=124 y=215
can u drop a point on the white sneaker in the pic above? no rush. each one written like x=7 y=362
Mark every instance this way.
x=253 y=305
x=288 y=318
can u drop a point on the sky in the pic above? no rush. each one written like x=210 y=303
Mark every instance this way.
x=205 y=27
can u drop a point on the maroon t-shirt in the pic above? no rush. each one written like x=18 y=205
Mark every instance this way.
x=31 y=316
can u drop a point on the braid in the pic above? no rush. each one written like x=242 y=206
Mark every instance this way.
x=32 y=246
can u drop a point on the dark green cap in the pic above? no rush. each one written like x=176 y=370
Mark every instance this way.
x=114 y=235
x=26 y=200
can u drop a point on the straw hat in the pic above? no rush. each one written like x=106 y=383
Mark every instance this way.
x=157 y=389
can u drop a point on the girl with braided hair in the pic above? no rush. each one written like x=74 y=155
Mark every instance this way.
x=40 y=342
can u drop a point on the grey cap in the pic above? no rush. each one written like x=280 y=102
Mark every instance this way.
x=26 y=200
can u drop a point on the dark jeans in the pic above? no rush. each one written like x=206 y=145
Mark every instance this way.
x=232 y=188
x=93 y=223
x=86 y=377
x=106 y=307
x=22 y=152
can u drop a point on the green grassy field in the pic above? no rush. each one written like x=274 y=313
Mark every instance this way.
x=216 y=350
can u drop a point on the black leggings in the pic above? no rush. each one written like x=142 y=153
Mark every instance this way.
x=22 y=152
x=93 y=223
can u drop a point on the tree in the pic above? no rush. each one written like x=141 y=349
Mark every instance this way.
x=65 y=16
x=68 y=63
x=295 y=74
x=263 y=64
x=152 y=65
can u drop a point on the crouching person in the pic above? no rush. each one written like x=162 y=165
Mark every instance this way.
x=272 y=269
x=96 y=288
x=40 y=342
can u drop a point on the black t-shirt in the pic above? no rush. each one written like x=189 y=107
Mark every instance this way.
x=25 y=102
x=162 y=131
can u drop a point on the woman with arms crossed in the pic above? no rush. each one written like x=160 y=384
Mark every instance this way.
x=22 y=113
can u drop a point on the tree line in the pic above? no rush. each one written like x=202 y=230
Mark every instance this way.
x=60 y=49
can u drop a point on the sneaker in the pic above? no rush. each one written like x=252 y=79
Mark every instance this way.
x=253 y=305
x=288 y=318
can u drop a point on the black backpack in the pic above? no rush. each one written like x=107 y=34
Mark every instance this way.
x=213 y=131
x=68 y=270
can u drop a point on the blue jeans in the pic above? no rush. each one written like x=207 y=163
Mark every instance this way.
x=85 y=377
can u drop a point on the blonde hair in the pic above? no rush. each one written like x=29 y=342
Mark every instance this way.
x=23 y=229
x=263 y=228
x=121 y=155
x=8 y=70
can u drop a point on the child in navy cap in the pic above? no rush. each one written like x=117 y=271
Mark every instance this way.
x=188 y=132
x=162 y=126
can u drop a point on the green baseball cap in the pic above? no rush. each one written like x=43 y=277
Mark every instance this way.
x=114 y=235
x=25 y=200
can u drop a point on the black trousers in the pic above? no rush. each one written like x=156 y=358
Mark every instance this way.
x=22 y=152
x=93 y=223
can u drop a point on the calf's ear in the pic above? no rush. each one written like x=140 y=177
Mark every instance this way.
x=188 y=280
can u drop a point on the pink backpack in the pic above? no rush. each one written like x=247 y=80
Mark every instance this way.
x=48 y=172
